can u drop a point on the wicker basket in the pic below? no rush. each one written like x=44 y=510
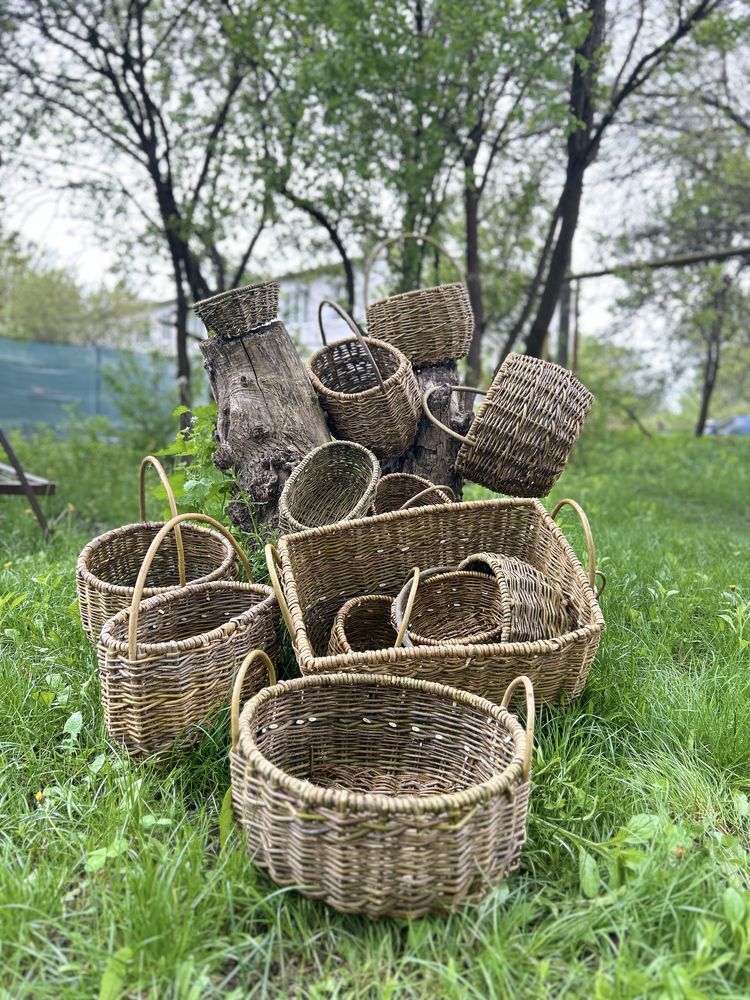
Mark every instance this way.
x=430 y=325
x=363 y=623
x=334 y=482
x=382 y=795
x=108 y=566
x=522 y=434
x=236 y=312
x=367 y=388
x=402 y=490
x=166 y=665
x=444 y=607
x=536 y=608
x=323 y=568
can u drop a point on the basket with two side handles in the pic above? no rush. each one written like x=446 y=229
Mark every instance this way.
x=108 y=566
x=334 y=482
x=233 y=313
x=367 y=388
x=381 y=795
x=401 y=490
x=166 y=664
x=316 y=572
x=522 y=434
x=430 y=325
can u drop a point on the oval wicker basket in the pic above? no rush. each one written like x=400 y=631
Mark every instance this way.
x=522 y=434
x=382 y=795
x=108 y=566
x=233 y=313
x=334 y=482
x=447 y=607
x=166 y=665
x=315 y=572
x=367 y=388
x=362 y=624
x=430 y=325
x=402 y=490
x=536 y=607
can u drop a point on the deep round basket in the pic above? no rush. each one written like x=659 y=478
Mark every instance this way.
x=404 y=489
x=382 y=795
x=363 y=623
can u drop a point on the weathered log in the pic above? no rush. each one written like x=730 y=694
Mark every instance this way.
x=268 y=415
x=433 y=454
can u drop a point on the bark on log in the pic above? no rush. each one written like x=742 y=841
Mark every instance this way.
x=268 y=415
x=433 y=454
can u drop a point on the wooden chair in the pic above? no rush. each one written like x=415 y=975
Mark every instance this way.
x=15 y=482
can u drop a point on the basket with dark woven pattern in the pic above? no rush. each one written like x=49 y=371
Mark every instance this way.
x=367 y=388
x=523 y=432
x=108 y=566
x=233 y=313
x=382 y=795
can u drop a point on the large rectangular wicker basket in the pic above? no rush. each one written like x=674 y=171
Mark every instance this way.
x=321 y=569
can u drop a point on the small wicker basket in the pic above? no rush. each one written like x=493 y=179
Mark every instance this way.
x=382 y=795
x=108 y=566
x=236 y=312
x=430 y=325
x=166 y=665
x=522 y=434
x=334 y=482
x=402 y=490
x=363 y=623
x=367 y=388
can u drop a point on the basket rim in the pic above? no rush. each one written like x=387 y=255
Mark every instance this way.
x=416 y=292
x=317 y=795
x=146 y=650
x=308 y=661
x=364 y=501
x=215 y=300
x=120 y=589
x=403 y=366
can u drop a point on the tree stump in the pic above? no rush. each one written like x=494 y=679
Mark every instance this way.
x=268 y=415
x=433 y=454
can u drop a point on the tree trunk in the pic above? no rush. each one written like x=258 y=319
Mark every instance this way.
x=474 y=280
x=433 y=454
x=710 y=371
x=268 y=416
x=563 y=342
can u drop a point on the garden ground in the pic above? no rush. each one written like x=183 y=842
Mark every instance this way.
x=118 y=879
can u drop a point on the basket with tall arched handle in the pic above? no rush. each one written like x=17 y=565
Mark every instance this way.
x=520 y=439
x=166 y=664
x=108 y=566
x=401 y=490
x=367 y=388
x=383 y=795
x=430 y=325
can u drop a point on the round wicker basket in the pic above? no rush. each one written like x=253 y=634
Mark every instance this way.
x=363 y=623
x=402 y=490
x=108 y=566
x=334 y=482
x=233 y=313
x=522 y=434
x=430 y=325
x=382 y=795
x=367 y=388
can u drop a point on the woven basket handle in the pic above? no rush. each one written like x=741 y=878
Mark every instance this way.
x=404 y=623
x=425 y=492
x=255 y=654
x=590 y=550
x=357 y=333
x=530 y=712
x=273 y=559
x=405 y=236
x=434 y=420
x=153 y=548
x=150 y=460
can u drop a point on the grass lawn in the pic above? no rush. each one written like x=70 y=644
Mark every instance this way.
x=635 y=881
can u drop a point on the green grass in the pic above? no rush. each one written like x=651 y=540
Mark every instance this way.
x=636 y=878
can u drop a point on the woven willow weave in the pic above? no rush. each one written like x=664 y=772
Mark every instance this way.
x=429 y=325
x=522 y=434
x=334 y=482
x=323 y=568
x=368 y=390
x=451 y=608
x=233 y=313
x=166 y=665
x=108 y=566
x=399 y=488
x=363 y=623
x=381 y=795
